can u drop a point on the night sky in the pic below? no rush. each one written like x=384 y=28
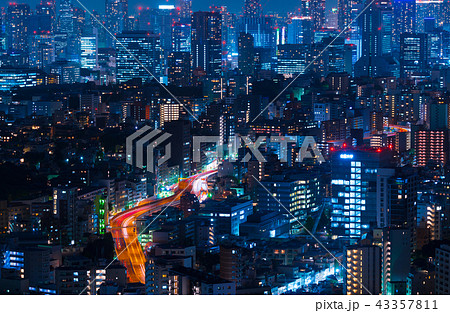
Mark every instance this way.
x=234 y=6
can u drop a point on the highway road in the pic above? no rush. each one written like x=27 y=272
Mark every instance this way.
x=123 y=225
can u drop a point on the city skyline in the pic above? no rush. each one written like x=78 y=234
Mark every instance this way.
x=184 y=152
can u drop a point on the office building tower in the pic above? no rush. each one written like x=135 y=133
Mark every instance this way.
x=438 y=114
x=116 y=15
x=226 y=216
x=292 y=59
x=169 y=111
x=363 y=263
x=66 y=17
x=344 y=14
x=89 y=52
x=376 y=30
x=298 y=193
x=206 y=44
x=17 y=26
x=246 y=51
x=317 y=14
x=396 y=261
x=354 y=194
x=181 y=37
x=446 y=12
x=252 y=8
x=42 y=52
x=396 y=197
x=413 y=53
x=299 y=31
x=376 y=35
x=138 y=56
x=185 y=7
x=404 y=19
x=68 y=72
x=180 y=145
x=179 y=69
x=46 y=12
x=426 y=9
x=431 y=147
x=442 y=262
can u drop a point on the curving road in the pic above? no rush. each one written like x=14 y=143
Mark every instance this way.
x=128 y=248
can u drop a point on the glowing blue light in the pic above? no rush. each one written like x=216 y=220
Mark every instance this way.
x=346 y=156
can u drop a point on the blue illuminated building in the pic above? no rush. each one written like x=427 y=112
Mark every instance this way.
x=354 y=190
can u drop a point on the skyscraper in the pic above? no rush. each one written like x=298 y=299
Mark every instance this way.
x=185 y=7
x=299 y=31
x=396 y=261
x=246 y=50
x=317 y=14
x=363 y=263
x=89 y=52
x=404 y=19
x=428 y=8
x=252 y=8
x=65 y=19
x=431 y=146
x=138 y=53
x=179 y=68
x=413 y=53
x=376 y=34
x=17 y=26
x=354 y=192
x=206 y=44
x=116 y=16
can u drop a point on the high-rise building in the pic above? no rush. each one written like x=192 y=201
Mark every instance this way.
x=354 y=192
x=376 y=34
x=181 y=37
x=138 y=55
x=179 y=68
x=42 y=52
x=206 y=44
x=396 y=261
x=66 y=16
x=363 y=263
x=442 y=262
x=246 y=51
x=413 y=53
x=169 y=111
x=252 y=8
x=404 y=19
x=293 y=59
x=431 y=146
x=17 y=26
x=425 y=9
x=180 y=145
x=317 y=9
x=185 y=7
x=46 y=11
x=116 y=15
x=300 y=194
x=299 y=31
x=89 y=52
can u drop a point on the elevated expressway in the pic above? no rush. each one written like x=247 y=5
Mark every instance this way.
x=123 y=225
